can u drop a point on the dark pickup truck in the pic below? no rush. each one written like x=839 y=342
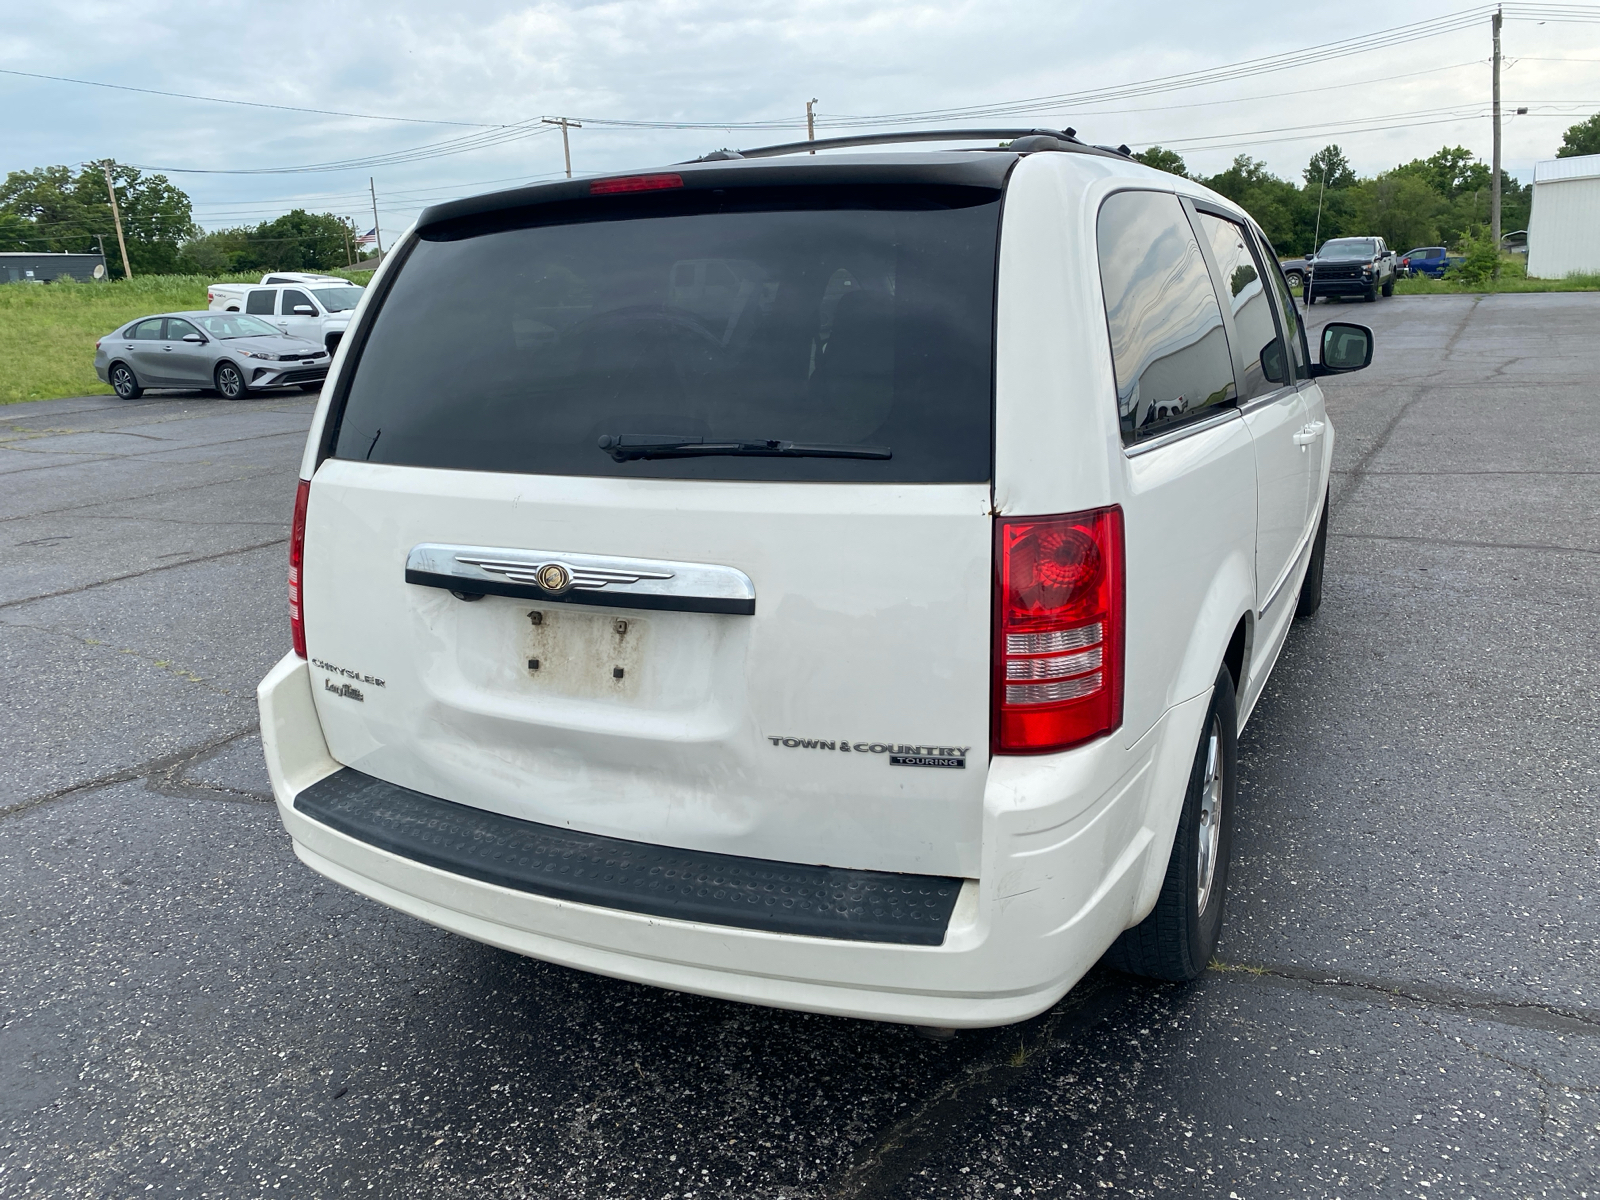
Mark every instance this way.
x=1351 y=266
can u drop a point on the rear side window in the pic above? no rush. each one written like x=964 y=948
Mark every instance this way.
x=856 y=317
x=1167 y=339
x=147 y=331
x=260 y=302
x=1246 y=292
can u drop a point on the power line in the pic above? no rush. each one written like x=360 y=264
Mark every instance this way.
x=477 y=141
x=324 y=112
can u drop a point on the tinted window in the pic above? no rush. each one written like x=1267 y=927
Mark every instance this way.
x=260 y=302
x=1167 y=341
x=177 y=330
x=1288 y=315
x=292 y=298
x=148 y=331
x=1246 y=291
x=848 y=316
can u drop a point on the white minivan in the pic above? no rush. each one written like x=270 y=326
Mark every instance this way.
x=834 y=582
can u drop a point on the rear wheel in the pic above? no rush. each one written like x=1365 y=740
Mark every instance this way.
x=1311 y=587
x=124 y=383
x=1297 y=281
x=1178 y=938
x=230 y=382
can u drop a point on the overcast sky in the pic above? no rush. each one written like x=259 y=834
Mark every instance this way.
x=497 y=62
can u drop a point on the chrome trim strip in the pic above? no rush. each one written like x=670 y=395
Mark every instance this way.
x=1294 y=562
x=1272 y=397
x=1177 y=435
x=582 y=578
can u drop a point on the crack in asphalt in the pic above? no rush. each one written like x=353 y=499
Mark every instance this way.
x=1523 y=1013
x=191 y=487
x=1358 y=471
x=98 y=583
x=166 y=763
x=879 y=1168
x=1430 y=474
x=90 y=459
x=1433 y=541
x=162 y=664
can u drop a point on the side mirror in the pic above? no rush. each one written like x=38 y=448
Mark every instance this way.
x=194 y=337
x=304 y=310
x=1273 y=365
x=1345 y=347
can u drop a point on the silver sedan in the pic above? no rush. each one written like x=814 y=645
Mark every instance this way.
x=234 y=353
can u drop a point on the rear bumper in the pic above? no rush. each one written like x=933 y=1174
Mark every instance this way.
x=1075 y=846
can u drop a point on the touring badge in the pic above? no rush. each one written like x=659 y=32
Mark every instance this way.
x=900 y=754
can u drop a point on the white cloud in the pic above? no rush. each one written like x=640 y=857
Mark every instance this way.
x=713 y=60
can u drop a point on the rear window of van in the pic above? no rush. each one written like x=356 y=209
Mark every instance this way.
x=837 y=316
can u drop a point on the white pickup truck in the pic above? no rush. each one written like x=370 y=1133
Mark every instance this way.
x=316 y=311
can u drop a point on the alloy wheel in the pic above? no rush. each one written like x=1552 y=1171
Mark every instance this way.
x=229 y=382
x=1210 y=838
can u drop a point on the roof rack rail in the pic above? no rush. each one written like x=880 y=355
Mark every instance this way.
x=1063 y=138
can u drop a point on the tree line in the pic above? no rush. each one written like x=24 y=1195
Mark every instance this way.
x=1441 y=200
x=58 y=209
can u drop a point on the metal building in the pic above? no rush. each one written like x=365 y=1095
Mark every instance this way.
x=27 y=267
x=1564 y=230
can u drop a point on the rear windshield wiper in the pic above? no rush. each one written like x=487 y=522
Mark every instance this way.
x=627 y=447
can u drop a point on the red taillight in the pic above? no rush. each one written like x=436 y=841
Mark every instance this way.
x=209 y=297
x=297 y=554
x=1058 y=626
x=634 y=183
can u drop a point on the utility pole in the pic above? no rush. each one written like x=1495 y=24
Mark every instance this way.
x=116 y=216
x=373 y=185
x=346 y=231
x=566 y=149
x=1494 y=184
x=811 y=123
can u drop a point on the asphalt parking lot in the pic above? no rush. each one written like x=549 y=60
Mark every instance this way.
x=1407 y=1001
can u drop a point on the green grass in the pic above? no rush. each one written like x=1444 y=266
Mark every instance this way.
x=48 y=331
x=1513 y=278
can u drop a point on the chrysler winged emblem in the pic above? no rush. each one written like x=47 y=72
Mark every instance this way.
x=553 y=577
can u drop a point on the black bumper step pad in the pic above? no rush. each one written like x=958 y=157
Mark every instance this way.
x=660 y=881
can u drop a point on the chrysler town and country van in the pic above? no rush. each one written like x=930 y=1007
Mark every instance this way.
x=834 y=582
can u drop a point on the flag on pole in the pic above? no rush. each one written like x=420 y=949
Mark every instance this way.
x=370 y=235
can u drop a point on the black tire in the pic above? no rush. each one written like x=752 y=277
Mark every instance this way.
x=123 y=381
x=1297 y=281
x=1371 y=295
x=230 y=381
x=1311 y=587
x=1176 y=941
x=1388 y=288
